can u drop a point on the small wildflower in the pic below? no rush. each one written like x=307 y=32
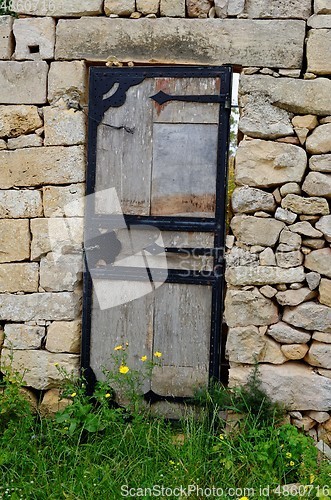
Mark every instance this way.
x=66 y=428
x=107 y=395
x=118 y=348
x=143 y=358
x=56 y=364
x=171 y=462
x=127 y=344
x=124 y=369
x=222 y=437
x=311 y=478
x=158 y=354
x=288 y=455
x=292 y=463
x=73 y=394
x=243 y=498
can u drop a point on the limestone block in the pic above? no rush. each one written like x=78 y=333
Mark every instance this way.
x=64 y=127
x=318 y=51
x=263 y=275
x=119 y=7
x=60 y=273
x=320 y=140
x=295 y=297
x=6 y=42
x=40 y=306
x=313 y=243
x=17 y=120
x=322 y=337
x=317 y=184
x=309 y=316
x=20 y=204
x=198 y=8
x=39 y=367
x=319 y=416
x=290 y=188
x=34 y=38
x=59 y=8
x=267 y=257
x=290 y=239
x=266 y=163
x=244 y=344
x=313 y=280
x=220 y=41
x=285 y=215
x=25 y=141
x=320 y=163
x=221 y=8
x=52 y=165
x=273 y=9
x=272 y=353
x=323 y=21
x=296 y=96
x=241 y=257
x=67 y=80
x=60 y=201
x=172 y=8
x=52 y=403
x=289 y=259
x=319 y=355
x=64 y=336
x=322 y=7
x=243 y=308
x=248 y=200
x=235 y=7
x=268 y=291
x=294 y=385
x=57 y=235
x=306 y=229
x=325 y=292
x=255 y=230
x=14 y=240
x=19 y=277
x=23 y=336
x=319 y=261
x=308 y=206
x=23 y=82
x=148 y=6
x=286 y=334
x=307 y=121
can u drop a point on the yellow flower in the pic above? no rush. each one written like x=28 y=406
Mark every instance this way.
x=118 y=348
x=222 y=437
x=311 y=478
x=288 y=455
x=107 y=395
x=292 y=463
x=143 y=358
x=158 y=354
x=56 y=364
x=124 y=369
x=244 y=498
x=74 y=394
x=171 y=462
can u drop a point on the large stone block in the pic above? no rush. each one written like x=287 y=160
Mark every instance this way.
x=23 y=82
x=294 y=385
x=249 y=200
x=319 y=51
x=198 y=8
x=319 y=355
x=324 y=225
x=52 y=165
x=286 y=334
x=245 y=344
x=172 y=8
x=263 y=275
x=322 y=7
x=23 y=336
x=64 y=127
x=295 y=297
x=64 y=336
x=307 y=206
x=57 y=235
x=67 y=80
x=316 y=21
x=320 y=141
x=14 y=240
x=6 y=41
x=294 y=95
x=62 y=273
x=319 y=261
x=317 y=184
x=120 y=7
x=40 y=367
x=256 y=230
x=320 y=163
x=212 y=41
x=244 y=308
x=59 y=8
x=273 y=9
x=34 y=38
x=20 y=204
x=17 y=120
x=310 y=316
x=148 y=6
x=267 y=163
x=39 y=306
x=64 y=201
x=25 y=141
x=19 y=277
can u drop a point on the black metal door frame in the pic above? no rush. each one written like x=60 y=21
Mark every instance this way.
x=101 y=81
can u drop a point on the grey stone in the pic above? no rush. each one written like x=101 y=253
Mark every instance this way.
x=59 y=8
x=285 y=334
x=318 y=416
x=243 y=308
x=67 y=80
x=247 y=200
x=289 y=259
x=172 y=8
x=313 y=280
x=221 y=8
x=306 y=229
x=23 y=82
x=322 y=7
x=62 y=273
x=268 y=291
x=237 y=41
x=307 y=206
x=309 y=316
x=148 y=6
x=322 y=337
x=290 y=188
x=119 y=7
x=65 y=201
x=273 y=9
x=292 y=240
x=317 y=184
x=295 y=297
x=235 y=7
x=245 y=344
x=323 y=21
x=34 y=32
x=319 y=355
x=25 y=141
x=6 y=47
x=256 y=231
x=319 y=261
x=320 y=163
x=320 y=141
x=313 y=243
x=23 y=336
x=240 y=257
x=285 y=215
x=263 y=275
x=272 y=353
x=266 y=163
x=267 y=257
x=318 y=51
x=20 y=204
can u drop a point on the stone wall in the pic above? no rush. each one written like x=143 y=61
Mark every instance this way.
x=278 y=299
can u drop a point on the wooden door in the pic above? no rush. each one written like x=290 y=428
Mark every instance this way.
x=155 y=222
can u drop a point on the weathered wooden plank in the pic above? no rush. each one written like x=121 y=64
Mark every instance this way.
x=184 y=169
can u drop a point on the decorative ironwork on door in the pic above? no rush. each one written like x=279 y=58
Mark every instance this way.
x=155 y=221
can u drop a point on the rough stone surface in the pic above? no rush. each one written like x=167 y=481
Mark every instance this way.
x=198 y=8
x=289 y=259
x=319 y=141
x=245 y=344
x=325 y=292
x=255 y=230
x=317 y=184
x=172 y=8
x=292 y=240
x=266 y=163
x=306 y=229
x=285 y=215
x=23 y=336
x=52 y=165
x=59 y=274
x=307 y=121
x=319 y=355
x=6 y=45
x=307 y=206
x=313 y=280
x=17 y=120
x=295 y=297
x=38 y=33
x=21 y=204
x=323 y=21
x=267 y=257
x=294 y=351
x=309 y=316
x=19 y=277
x=65 y=8
x=23 y=82
x=319 y=261
x=39 y=367
x=290 y=188
x=67 y=80
x=60 y=201
x=52 y=403
x=119 y=7
x=25 y=141
x=235 y=7
x=243 y=308
x=286 y=334
x=268 y=291
x=324 y=225
x=64 y=127
x=297 y=386
x=320 y=163
x=263 y=275
x=39 y=306
x=318 y=51
x=319 y=416
x=313 y=243
x=322 y=7
x=322 y=337
x=16 y=231
x=64 y=336
x=272 y=353
x=148 y=6
x=240 y=257
x=273 y=9
x=248 y=200
x=217 y=41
